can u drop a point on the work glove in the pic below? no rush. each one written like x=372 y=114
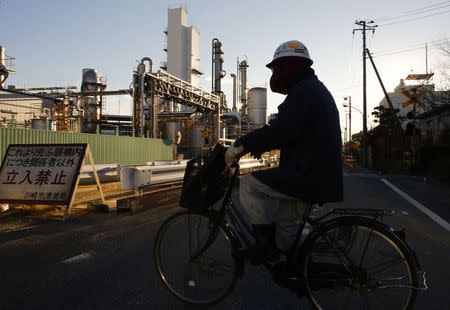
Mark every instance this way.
x=232 y=153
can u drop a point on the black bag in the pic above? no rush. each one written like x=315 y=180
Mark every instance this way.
x=205 y=180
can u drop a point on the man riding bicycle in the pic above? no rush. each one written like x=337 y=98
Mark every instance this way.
x=307 y=132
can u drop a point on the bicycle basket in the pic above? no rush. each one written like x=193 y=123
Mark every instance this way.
x=205 y=180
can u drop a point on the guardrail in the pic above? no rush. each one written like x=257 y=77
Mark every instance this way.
x=105 y=172
x=140 y=176
x=154 y=173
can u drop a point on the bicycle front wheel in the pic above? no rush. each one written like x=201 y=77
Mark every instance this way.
x=194 y=258
x=358 y=263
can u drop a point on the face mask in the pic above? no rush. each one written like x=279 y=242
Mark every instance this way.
x=278 y=85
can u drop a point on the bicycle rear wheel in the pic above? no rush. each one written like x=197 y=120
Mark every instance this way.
x=358 y=263
x=194 y=258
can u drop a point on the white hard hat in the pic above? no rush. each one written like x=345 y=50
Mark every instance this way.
x=291 y=48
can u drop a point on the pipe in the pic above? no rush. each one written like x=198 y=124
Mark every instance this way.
x=141 y=74
x=217 y=72
x=3 y=71
x=234 y=109
x=150 y=63
x=214 y=41
x=212 y=64
x=243 y=87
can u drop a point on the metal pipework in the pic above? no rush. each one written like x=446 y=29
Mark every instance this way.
x=3 y=71
x=242 y=72
x=141 y=75
x=141 y=70
x=150 y=63
x=234 y=109
x=217 y=72
x=92 y=82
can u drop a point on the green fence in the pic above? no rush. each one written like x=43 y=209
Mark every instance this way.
x=105 y=149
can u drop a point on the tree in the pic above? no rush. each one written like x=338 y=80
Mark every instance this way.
x=442 y=93
x=385 y=119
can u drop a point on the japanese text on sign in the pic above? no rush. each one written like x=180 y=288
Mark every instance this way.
x=40 y=173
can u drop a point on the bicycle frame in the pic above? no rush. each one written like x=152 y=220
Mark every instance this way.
x=227 y=216
x=240 y=229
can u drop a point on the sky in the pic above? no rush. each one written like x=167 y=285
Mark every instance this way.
x=53 y=40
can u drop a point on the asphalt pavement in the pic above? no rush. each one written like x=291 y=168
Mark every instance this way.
x=105 y=261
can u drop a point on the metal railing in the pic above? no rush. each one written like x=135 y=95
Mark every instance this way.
x=153 y=173
x=180 y=90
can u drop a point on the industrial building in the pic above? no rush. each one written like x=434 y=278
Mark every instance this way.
x=167 y=104
x=182 y=47
x=23 y=110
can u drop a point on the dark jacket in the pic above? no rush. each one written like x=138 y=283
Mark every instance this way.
x=307 y=132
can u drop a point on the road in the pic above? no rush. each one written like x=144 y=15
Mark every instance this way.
x=105 y=261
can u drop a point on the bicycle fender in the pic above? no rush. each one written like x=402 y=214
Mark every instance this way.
x=401 y=237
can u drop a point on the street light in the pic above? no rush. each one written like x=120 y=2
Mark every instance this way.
x=347 y=106
x=360 y=112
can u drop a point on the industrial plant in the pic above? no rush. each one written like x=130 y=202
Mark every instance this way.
x=167 y=101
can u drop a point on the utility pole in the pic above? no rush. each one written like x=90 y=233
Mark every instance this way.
x=345 y=134
x=364 y=28
x=349 y=98
x=386 y=95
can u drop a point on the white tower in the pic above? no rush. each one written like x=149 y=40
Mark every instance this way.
x=183 y=47
x=183 y=60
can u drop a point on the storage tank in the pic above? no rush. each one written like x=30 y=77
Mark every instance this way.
x=41 y=124
x=257 y=105
x=197 y=139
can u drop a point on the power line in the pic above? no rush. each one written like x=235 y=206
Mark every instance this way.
x=404 y=51
x=434 y=43
x=411 y=14
x=429 y=6
x=411 y=19
x=437 y=6
x=414 y=12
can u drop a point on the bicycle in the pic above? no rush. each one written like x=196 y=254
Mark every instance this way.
x=351 y=257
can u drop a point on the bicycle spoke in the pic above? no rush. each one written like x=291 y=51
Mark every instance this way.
x=398 y=260
x=333 y=282
x=199 y=267
x=213 y=265
x=365 y=248
x=333 y=244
